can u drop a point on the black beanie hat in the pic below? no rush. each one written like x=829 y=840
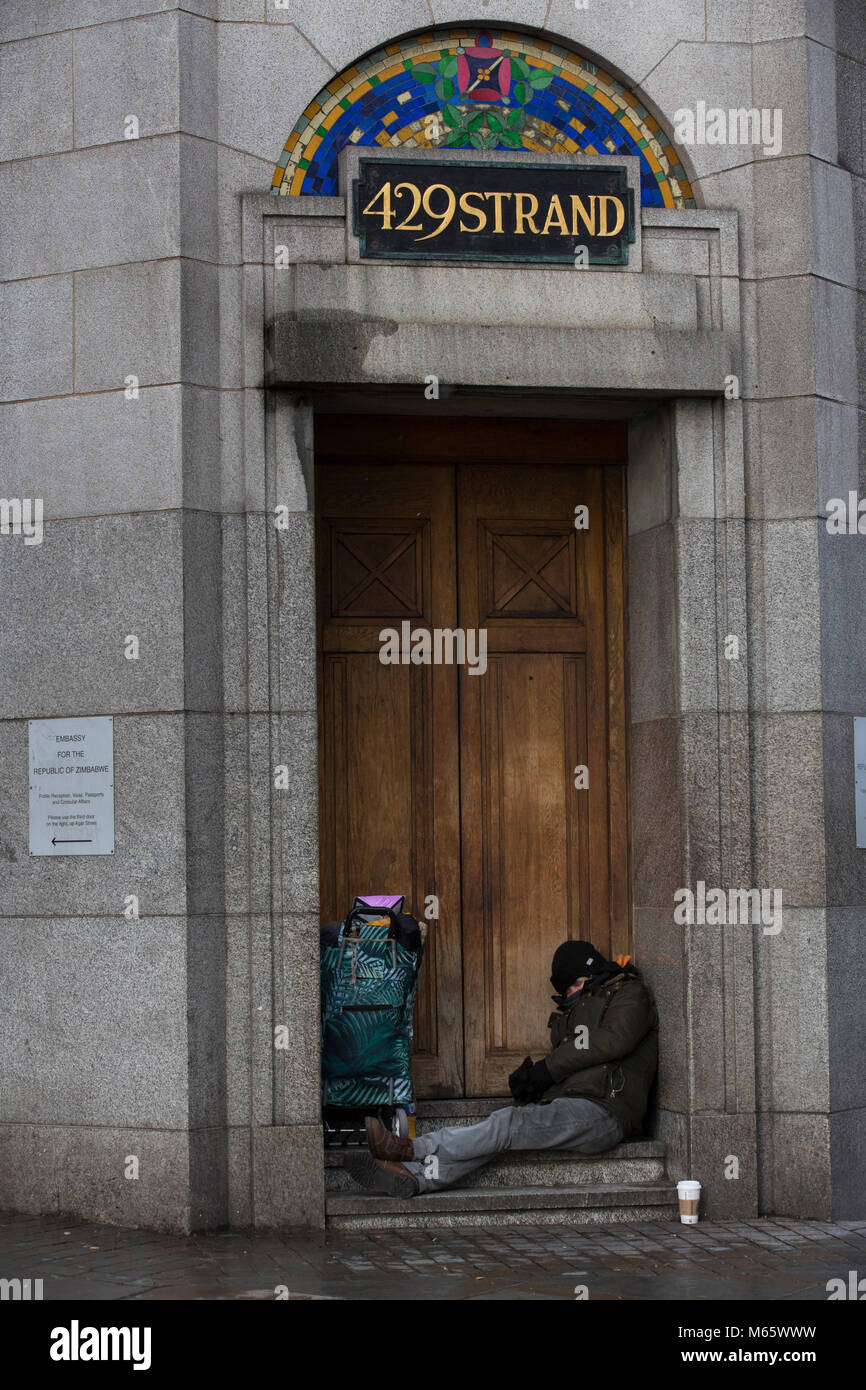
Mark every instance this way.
x=571 y=960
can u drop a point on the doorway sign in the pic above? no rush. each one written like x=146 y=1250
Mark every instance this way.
x=72 y=786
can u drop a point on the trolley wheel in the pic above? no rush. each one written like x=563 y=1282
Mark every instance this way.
x=400 y=1123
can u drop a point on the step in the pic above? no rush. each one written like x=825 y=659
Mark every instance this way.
x=579 y=1205
x=640 y=1162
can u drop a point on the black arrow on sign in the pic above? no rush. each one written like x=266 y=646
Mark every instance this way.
x=55 y=841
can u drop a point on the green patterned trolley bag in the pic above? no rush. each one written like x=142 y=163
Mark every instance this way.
x=369 y=967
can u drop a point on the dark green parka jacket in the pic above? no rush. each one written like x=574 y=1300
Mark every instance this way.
x=614 y=1060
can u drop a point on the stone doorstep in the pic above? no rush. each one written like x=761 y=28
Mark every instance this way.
x=539 y=1168
x=572 y=1206
x=576 y=1197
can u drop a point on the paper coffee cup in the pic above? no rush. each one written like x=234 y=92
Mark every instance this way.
x=689 y=1194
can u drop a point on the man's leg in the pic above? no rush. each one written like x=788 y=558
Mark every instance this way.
x=445 y=1156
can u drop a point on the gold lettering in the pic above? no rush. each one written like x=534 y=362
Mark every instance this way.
x=497 y=203
x=555 y=215
x=578 y=212
x=474 y=212
x=602 y=221
x=520 y=216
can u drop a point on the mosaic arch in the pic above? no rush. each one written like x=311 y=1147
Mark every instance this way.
x=465 y=87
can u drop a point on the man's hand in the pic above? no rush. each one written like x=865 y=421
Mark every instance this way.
x=519 y=1077
x=529 y=1081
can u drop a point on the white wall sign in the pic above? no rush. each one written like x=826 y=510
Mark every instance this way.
x=860 y=781
x=72 y=786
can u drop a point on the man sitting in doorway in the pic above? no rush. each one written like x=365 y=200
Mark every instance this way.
x=587 y=1094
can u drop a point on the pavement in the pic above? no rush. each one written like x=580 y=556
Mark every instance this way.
x=765 y=1259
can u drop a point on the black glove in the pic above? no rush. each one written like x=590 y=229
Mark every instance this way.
x=517 y=1079
x=530 y=1081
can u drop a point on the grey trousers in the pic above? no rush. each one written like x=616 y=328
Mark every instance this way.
x=445 y=1156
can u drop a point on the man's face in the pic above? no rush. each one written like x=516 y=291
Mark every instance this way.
x=577 y=986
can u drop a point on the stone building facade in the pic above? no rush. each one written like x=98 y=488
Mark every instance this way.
x=167 y=369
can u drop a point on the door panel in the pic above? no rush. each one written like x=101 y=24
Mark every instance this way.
x=438 y=781
x=388 y=736
x=531 y=580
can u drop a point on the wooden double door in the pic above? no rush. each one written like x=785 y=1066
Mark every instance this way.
x=460 y=785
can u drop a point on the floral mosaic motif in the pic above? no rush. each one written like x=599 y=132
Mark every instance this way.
x=465 y=88
x=484 y=74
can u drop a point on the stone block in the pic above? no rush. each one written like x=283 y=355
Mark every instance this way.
x=297 y=1063
x=268 y=60
x=695 y=458
x=134 y=186
x=288 y=1177
x=794 y=1167
x=847 y=1019
x=843 y=640
x=835 y=335
x=323 y=25
x=261 y=609
x=202 y=603
x=387 y=353
x=556 y=296
x=784 y=640
x=846 y=864
x=649 y=471
x=127 y=69
x=850 y=95
x=132 y=448
x=208 y=1178
x=94 y=1022
x=718 y=74
x=657 y=847
x=149 y=858
x=198 y=198
x=263 y=1008
x=212 y=434
x=65 y=652
x=206 y=1037
x=236 y=172
x=847 y=1159
x=297 y=612
x=234 y=614
x=79 y=1170
x=128 y=322
x=782 y=82
x=652 y=624
x=197 y=62
x=850 y=34
x=211 y=316
x=791 y=1014
x=36 y=354
x=659 y=952
x=295 y=808
x=698 y=638
x=784 y=246
x=715 y=1141
x=239 y=1015
x=701 y=749
x=836 y=429
x=720 y=984
x=240 y=1192
x=785 y=330
x=36 y=81
x=787 y=774
x=205 y=814
x=634 y=36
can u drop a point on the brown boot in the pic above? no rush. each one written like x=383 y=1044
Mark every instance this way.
x=378 y=1175
x=383 y=1144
